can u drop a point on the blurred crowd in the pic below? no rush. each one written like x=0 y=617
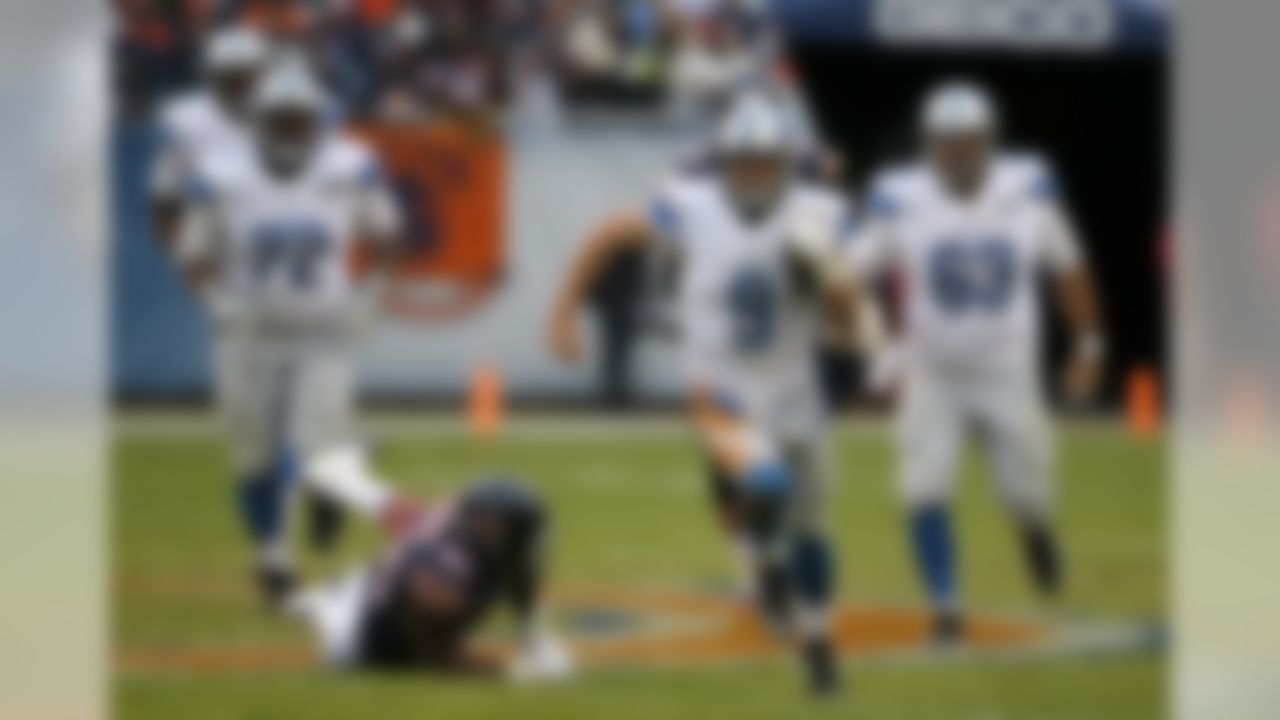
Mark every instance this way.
x=468 y=59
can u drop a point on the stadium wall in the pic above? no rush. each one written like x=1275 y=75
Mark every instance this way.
x=556 y=190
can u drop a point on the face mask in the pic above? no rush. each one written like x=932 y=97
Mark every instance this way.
x=962 y=166
x=756 y=199
x=286 y=158
x=286 y=154
x=754 y=204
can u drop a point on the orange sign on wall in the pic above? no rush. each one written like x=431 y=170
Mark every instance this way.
x=451 y=187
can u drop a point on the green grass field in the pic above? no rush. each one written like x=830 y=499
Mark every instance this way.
x=631 y=511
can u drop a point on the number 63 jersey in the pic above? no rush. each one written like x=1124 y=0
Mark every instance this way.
x=282 y=248
x=970 y=266
x=749 y=326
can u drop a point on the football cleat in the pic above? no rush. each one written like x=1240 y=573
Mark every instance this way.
x=823 y=668
x=775 y=599
x=543 y=659
x=948 y=629
x=325 y=522
x=276 y=585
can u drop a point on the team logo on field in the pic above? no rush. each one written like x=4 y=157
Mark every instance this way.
x=638 y=627
x=674 y=627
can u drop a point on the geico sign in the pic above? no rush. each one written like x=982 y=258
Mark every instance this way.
x=1067 y=24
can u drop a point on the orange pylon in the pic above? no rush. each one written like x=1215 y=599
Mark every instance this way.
x=1142 y=402
x=484 y=401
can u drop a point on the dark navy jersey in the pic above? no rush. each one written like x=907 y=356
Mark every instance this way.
x=398 y=631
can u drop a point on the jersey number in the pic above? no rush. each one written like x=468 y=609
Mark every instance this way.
x=966 y=276
x=293 y=249
x=753 y=305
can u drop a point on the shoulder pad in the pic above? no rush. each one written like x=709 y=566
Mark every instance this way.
x=1029 y=175
x=349 y=157
x=891 y=190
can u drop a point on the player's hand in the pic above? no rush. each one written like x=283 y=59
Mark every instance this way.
x=1081 y=378
x=563 y=336
x=884 y=375
x=225 y=309
x=400 y=516
x=359 y=320
x=363 y=312
x=543 y=659
x=812 y=246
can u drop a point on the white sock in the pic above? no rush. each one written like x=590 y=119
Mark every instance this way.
x=811 y=622
x=343 y=476
x=304 y=604
x=532 y=627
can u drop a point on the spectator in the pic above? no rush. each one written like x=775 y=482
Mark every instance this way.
x=417 y=59
x=711 y=63
x=155 y=53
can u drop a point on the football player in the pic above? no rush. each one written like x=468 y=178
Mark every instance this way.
x=267 y=240
x=754 y=252
x=971 y=229
x=447 y=565
x=211 y=120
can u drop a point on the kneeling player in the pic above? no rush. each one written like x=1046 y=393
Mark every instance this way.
x=751 y=247
x=446 y=566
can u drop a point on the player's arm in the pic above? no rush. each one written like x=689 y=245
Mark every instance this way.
x=814 y=244
x=168 y=176
x=1077 y=298
x=166 y=219
x=196 y=246
x=437 y=594
x=868 y=254
x=378 y=225
x=840 y=316
x=379 y=233
x=198 y=252
x=854 y=322
x=540 y=656
x=620 y=233
x=432 y=628
x=842 y=306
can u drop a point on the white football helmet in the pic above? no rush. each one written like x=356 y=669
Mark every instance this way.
x=288 y=112
x=754 y=146
x=289 y=85
x=753 y=124
x=958 y=107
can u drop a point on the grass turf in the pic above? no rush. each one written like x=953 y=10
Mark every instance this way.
x=631 y=510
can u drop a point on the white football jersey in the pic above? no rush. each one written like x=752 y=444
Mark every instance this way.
x=283 y=247
x=192 y=127
x=970 y=267
x=749 y=334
